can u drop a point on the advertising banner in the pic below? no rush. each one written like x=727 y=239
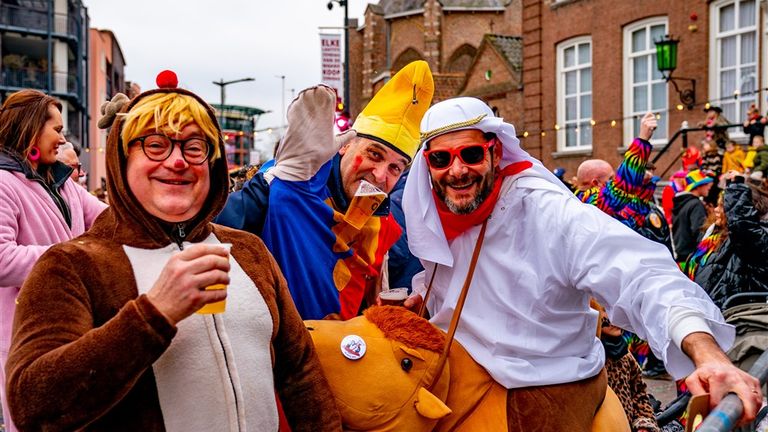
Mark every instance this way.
x=332 y=65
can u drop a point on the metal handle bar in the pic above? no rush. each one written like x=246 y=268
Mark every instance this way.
x=723 y=418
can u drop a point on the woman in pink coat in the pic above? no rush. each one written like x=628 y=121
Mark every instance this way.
x=40 y=204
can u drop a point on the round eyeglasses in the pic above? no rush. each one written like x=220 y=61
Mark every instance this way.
x=159 y=147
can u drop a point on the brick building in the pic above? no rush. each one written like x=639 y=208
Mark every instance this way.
x=472 y=46
x=589 y=72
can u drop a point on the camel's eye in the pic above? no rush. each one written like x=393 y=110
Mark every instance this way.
x=406 y=364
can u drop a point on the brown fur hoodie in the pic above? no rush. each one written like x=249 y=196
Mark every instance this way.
x=85 y=341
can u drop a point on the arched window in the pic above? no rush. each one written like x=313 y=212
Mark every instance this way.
x=404 y=58
x=461 y=59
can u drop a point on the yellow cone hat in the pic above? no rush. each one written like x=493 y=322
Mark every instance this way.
x=393 y=116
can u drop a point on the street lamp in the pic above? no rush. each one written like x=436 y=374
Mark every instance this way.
x=666 y=63
x=282 y=110
x=223 y=84
x=344 y=4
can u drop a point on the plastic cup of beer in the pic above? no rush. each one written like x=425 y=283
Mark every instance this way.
x=220 y=306
x=393 y=297
x=366 y=200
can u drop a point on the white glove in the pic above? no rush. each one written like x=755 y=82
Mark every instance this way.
x=309 y=142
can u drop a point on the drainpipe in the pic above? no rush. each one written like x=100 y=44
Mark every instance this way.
x=85 y=71
x=388 y=27
x=51 y=66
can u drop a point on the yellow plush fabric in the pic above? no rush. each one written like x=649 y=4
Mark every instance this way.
x=376 y=393
x=611 y=416
x=478 y=402
x=394 y=114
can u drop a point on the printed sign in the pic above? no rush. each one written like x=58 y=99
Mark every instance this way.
x=332 y=65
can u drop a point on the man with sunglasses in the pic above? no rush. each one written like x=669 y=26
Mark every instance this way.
x=298 y=203
x=544 y=254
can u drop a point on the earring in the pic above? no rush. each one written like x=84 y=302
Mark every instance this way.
x=34 y=154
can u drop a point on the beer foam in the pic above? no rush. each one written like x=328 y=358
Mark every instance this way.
x=394 y=294
x=365 y=188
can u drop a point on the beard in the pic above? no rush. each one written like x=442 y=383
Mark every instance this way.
x=485 y=186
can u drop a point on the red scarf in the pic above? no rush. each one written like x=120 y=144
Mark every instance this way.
x=454 y=224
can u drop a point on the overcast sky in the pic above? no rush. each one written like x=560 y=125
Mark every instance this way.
x=205 y=41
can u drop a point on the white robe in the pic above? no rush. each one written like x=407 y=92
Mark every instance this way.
x=527 y=318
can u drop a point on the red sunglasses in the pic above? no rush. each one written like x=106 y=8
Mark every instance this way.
x=471 y=154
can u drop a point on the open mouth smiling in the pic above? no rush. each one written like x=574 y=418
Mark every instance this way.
x=174 y=182
x=462 y=186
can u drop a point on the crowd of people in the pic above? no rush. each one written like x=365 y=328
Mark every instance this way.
x=102 y=306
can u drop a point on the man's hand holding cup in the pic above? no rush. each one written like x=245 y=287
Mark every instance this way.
x=393 y=297
x=180 y=290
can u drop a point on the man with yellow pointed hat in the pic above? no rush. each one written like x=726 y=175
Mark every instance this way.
x=301 y=204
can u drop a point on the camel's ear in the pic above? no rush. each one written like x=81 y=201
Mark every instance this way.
x=412 y=352
x=429 y=406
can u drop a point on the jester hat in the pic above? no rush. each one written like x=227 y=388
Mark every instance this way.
x=392 y=117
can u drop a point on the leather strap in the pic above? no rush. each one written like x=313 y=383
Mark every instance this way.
x=459 y=306
x=423 y=308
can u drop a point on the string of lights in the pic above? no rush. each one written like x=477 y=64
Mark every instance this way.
x=616 y=121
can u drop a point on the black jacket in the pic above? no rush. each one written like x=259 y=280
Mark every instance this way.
x=688 y=215
x=740 y=265
x=655 y=228
x=754 y=129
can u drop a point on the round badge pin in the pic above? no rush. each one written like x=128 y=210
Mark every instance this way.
x=353 y=347
x=655 y=220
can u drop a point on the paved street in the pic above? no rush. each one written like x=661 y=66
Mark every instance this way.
x=661 y=389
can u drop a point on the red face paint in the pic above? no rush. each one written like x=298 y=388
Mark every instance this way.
x=356 y=163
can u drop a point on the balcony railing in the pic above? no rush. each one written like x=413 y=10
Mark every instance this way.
x=25 y=78
x=36 y=78
x=37 y=20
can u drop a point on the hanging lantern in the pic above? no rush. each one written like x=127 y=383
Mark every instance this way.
x=666 y=54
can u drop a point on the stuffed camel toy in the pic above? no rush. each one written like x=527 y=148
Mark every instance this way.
x=383 y=370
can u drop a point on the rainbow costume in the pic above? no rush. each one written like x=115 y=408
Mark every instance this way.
x=624 y=196
x=704 y=250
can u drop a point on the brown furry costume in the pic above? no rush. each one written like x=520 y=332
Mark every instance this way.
x=85 y=341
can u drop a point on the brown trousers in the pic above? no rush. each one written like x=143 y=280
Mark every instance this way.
x=556 y=408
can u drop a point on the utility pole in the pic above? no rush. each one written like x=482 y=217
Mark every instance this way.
x=223 y=84
x=345 y=5
x=282 y=111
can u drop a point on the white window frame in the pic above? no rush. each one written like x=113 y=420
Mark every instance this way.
x=560 y=77
x=763 y=96
x=629 y=113
x=764 y=53
x=714 y=62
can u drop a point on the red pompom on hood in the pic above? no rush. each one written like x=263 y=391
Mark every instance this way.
x=167 y=79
